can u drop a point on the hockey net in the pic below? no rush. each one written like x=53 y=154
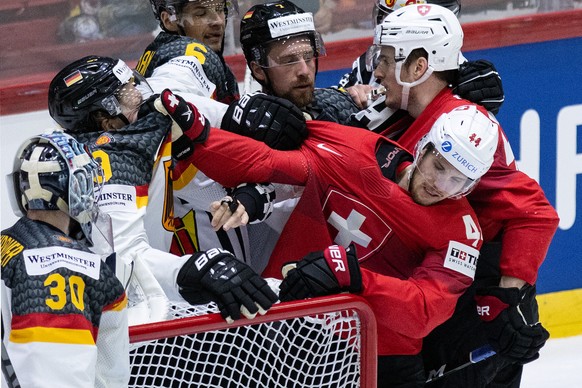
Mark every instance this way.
x=320 y=342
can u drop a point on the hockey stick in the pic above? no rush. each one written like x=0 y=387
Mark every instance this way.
x=477 y=355
x=7 y=368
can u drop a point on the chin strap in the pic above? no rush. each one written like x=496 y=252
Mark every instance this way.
x=406 y=86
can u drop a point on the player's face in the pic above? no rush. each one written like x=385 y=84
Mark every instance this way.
x=205 y=21
x=385 y=72
x=435 y=179
x=291 y=70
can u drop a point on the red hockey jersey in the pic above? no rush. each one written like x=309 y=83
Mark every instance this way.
x=416 y=261
x=509 y=204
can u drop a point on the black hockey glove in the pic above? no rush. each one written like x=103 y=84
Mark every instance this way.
x=148 y=106
x=327 y=272
x=273 y=120
x=512 y=318
x=479 y=82
x=218 y=275
x=258 y=199
x=189 y=125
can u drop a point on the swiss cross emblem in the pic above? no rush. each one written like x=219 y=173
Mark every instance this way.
x=474 y=139
x=423 y=9
x=350 y=221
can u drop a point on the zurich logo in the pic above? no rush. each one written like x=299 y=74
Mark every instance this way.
x=446 y=146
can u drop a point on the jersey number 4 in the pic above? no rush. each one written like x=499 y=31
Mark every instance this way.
x=472 y=230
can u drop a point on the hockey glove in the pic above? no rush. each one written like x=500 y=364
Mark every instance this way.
x=232 y=284
x=148 y=106
x=512 y=318
x=258 y=199
x=327 y=272
x=189 y=126
x=479 y=82
x=269 y=119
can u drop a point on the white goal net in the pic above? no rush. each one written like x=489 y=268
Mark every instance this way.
x=320 y=342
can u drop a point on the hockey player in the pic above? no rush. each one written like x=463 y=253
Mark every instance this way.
x=477 y=81
x=187 y=55
x=101 y=100
x=64 y=316
x=517 y=220
x=282 y=48
x=361 y=192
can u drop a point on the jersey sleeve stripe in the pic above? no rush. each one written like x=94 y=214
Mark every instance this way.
x=53 y=335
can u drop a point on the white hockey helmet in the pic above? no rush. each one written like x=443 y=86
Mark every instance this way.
x=429 y=26
x=467 y=139
x=385 y=7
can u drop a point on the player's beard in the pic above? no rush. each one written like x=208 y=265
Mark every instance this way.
x=422 y=192
x=300 y=93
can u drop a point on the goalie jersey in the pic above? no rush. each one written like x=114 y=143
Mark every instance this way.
x=63 y=311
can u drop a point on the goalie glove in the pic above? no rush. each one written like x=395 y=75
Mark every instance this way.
x=327 y=272
x=479 y=82
x=218 y=275
x=512 y=318
x=269 y=119
x=258 y=199
x=189 y=126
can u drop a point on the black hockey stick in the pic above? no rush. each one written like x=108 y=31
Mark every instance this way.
x=7 y=369
x=477 y=355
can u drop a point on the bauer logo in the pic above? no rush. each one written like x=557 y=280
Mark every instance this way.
x=417 y=31
x=462 y=258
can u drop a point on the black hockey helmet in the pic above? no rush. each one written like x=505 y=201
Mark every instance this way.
x=174 y=8
x=275 y=21
x=384 y=7
x=88 y=85
x=55 y=172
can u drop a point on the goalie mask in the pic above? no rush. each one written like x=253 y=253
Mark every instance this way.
x=96 y=84
x=462 y=145
x=55 y=172
x=283 y=23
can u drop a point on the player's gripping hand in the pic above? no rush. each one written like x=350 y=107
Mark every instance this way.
x=512 y=318
x=327 y=272
x=232 y=284
x=479 y=82
x=189 y=126
x=273 y=120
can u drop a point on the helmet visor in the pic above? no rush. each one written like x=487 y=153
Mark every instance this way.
x=128 y=98
x=204 y=12
x=292 y=50
x=442 y=176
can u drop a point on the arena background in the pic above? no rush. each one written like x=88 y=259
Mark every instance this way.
x=535 y=45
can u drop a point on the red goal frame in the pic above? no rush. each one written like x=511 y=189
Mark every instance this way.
x=280 y=311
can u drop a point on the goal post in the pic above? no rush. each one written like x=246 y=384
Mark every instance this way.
x=320 y=342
